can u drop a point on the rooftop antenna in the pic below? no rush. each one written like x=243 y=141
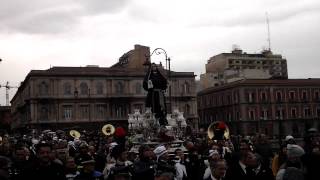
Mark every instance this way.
x=269 y=40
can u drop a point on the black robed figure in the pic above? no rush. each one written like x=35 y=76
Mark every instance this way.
x=156 y=84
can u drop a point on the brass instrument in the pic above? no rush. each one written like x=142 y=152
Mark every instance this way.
x=214 y=127
x=108 y=129
x=74 y=134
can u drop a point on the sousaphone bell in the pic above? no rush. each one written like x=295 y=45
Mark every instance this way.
x=218 y=131
x=108 y=129
x=75 y=134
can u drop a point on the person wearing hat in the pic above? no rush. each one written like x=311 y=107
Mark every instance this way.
x=87 y=171
x=213 y=156
x=294 y=154
x=290 y=140
x=163 y=164
x=144 y=168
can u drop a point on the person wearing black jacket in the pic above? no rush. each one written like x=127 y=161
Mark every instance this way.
x=43 y=167
x=144 y=168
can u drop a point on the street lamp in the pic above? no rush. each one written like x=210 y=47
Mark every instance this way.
x=159 y=51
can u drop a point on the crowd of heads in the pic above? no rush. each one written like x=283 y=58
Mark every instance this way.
x=97 y=156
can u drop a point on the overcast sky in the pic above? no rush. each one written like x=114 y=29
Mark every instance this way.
x=37 y=34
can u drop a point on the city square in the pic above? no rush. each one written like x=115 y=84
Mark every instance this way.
x=114 y=103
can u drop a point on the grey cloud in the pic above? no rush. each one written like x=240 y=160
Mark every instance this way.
x=102 y=6
x=258 y=17
x=47 y=16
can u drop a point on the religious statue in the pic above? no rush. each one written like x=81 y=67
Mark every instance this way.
x=156 y=84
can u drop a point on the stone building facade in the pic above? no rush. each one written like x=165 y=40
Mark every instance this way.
x=229 y=67
x=92 y=96
x=273 y=107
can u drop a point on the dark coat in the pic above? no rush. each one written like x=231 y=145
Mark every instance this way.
x=52 y=172
x=155 y=97
x=143 y=170
x=235 y=172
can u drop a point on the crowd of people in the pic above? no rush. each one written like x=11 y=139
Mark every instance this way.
x=56 y=155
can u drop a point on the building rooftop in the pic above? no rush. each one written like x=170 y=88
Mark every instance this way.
x=264 y=82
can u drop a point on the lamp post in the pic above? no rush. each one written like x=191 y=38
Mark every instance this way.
x=159 y=51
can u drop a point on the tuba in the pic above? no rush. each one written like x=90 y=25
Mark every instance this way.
x=218 y=130
x=75 y=134
x=108 y=129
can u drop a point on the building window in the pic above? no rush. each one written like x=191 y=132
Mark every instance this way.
x=186 y=88
x=263 y=97
x=304 y=96
x=316 y=96
x=293 y=113
x=279 y=113
x=138 y=88
x=306 y=112
x=101 y=111
x=278 y=96
x=235 y=98
x=83 y=88
x=119 y=88
x=43 y=88
x=84 y=111
x=99 y=88
x=67 y=88
x=264 y=114
x=67 y=112
x=187 y=109
x=251 y=115
x=318 y=112
x=44 y=114
x=238 y=115
x=251 y=97
x=291 y=95
x=120 y=111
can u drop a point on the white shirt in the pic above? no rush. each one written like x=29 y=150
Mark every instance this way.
x=180 y=171
x=207 y=173
x=243 y=167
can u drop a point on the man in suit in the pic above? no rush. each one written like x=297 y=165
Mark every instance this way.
x=218 y=169
x=242 y=169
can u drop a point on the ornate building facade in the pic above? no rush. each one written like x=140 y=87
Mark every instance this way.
x=91 y=96
x=274 y=107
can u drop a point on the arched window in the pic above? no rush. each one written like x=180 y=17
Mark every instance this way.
x=83 y=88
x=99 y=88
x=119 y=88
x=67 y=88
x=43 y=88
x=138 y=88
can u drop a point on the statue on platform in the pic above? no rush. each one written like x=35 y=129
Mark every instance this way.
x=156 y=84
